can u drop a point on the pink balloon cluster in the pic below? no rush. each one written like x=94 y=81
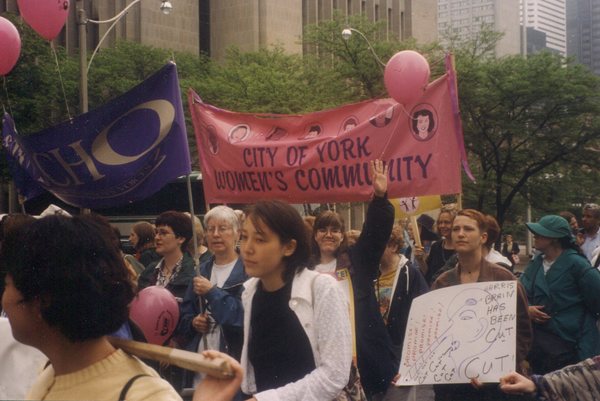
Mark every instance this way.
x=406 y=76
x=10 y=46
x=156 y=313
x=46 y=17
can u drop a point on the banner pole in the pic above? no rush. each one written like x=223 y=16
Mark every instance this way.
x=415 y=228
x=194 y=237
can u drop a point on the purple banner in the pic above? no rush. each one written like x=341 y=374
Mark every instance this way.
x=18 y=162
x=121 y=152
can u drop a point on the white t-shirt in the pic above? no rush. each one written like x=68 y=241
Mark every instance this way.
x=220 y=273
x=547 y=264
x=590 y=244
x=326 y=267
x=20 y=364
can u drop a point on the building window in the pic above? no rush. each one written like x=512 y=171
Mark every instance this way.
x=349 y=7
x=363 y=7
x=376 y=12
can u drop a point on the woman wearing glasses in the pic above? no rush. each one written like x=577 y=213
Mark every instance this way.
x=376 y=362
x=212 y=316
x=176 y=268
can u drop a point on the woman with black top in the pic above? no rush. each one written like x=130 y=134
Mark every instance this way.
x=297 y=339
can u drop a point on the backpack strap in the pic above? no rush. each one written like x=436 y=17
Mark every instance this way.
x=128 y=385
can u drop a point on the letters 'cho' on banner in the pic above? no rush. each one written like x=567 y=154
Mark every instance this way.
x=121 y=152
x=324 y=156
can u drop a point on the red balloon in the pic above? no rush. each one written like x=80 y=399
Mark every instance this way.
x=156 y=313
x=10 y=46
x=46 y=17
x=406 y=76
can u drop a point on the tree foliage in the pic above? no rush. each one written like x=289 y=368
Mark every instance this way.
x=531 y=125
x=527 y=120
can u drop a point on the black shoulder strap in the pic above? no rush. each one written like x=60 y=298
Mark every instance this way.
x=128 y=385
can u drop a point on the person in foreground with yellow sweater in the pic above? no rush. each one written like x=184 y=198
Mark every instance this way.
x=66 y=290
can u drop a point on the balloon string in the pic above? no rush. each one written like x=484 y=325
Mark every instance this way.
x=406 y=112
x=438 y=61
x=7 y=98
x=62 y=85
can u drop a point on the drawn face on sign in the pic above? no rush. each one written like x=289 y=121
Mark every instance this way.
x=349 y=124
x=276 y=134
x=464 y=313
x=239 y=133
x=212 y=139
x=314 y=130
x=382 y=119
x=423 y=122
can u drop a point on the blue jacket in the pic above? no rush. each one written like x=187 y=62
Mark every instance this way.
x=225 y=305
x=410 y=285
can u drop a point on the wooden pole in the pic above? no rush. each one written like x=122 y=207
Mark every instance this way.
x=193 y=361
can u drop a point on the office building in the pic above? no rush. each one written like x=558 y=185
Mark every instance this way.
x=583 y=32
x=250 y=25
x=549 y=17
x=464 y=19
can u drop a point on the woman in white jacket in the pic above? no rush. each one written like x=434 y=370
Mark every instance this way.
x=297 y=339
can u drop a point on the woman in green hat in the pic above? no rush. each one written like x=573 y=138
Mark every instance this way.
x=563 y=293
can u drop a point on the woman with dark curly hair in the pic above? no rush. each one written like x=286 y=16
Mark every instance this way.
x=67 y=289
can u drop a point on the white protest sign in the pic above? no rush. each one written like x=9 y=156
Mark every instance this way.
x=461 y=332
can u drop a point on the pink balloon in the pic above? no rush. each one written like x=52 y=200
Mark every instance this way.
x=156 y=313
x=406 y=76
x=10 y=46
x=46 y=17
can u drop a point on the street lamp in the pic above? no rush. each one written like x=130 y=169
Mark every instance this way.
x=347 y=34
x=166 y=7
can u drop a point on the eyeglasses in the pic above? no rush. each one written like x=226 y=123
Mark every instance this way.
x=218 y=229
x=330 y=230
x=163 y=232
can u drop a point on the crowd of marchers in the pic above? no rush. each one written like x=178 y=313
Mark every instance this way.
x=300 y=307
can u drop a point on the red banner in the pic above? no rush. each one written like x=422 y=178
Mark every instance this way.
x=324 y=156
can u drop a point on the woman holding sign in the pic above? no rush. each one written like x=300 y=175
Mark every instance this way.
x=469 y=235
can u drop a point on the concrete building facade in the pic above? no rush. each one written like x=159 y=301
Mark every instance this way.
x=252 y=24
x=211 y=26
x=583 y=32
x=144 y=23
x=550 y=17
x=464 y=19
